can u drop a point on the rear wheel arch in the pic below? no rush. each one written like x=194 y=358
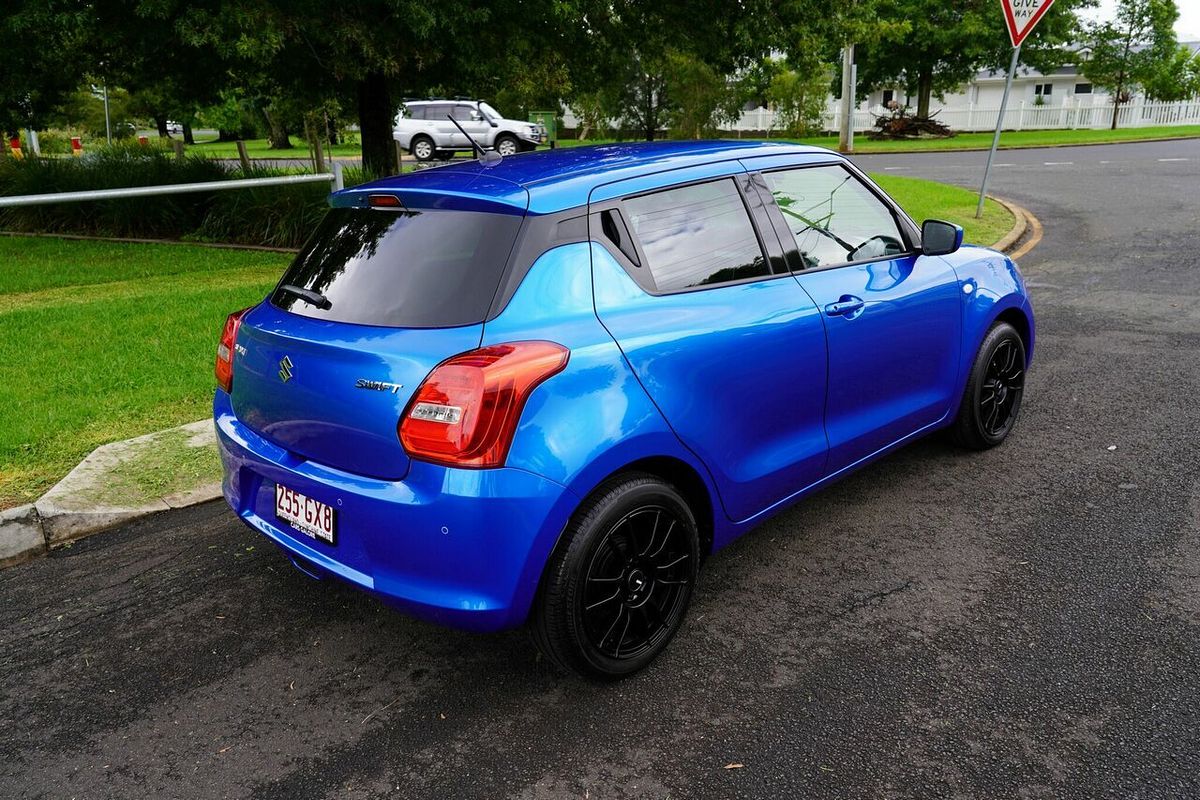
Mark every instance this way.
x=681 y=475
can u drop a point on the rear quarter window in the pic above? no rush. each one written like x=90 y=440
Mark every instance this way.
x=418 y=268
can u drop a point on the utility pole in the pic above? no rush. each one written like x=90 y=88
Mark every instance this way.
x=846 y=112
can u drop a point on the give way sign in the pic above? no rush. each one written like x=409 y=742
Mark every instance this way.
x=1022 y=15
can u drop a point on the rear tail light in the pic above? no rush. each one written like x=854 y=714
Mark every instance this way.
x=466 y=411
x=225 y=349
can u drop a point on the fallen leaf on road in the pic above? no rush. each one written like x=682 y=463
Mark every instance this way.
x=734 y=766
x=1112 y=447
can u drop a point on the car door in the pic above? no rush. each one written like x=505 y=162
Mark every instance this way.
x=446 y=134
x=462 y=115
x=723 y=339
x=473 y=121
x=892 y=316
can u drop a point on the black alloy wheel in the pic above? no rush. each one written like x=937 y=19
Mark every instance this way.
x=636 y=583
x=991 y=401
x=618 y=586
x=1002 y=386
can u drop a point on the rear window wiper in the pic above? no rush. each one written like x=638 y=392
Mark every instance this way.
x=308 y=295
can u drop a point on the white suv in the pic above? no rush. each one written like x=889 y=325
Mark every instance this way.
x=424 y=129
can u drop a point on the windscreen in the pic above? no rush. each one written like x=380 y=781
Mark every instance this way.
x=410 y=268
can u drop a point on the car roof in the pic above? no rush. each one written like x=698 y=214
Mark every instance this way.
x=555 y=180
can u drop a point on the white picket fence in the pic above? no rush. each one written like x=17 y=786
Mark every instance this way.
x=1020 y=116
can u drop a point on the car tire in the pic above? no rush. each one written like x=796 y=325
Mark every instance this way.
x=507 y=144
x=618 y=586
x=422 y=148
x=444 y=155
x=991 y=400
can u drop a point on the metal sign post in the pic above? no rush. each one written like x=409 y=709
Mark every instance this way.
x=1020 y=17
x=987 y=171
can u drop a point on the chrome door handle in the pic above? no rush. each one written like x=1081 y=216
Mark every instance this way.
x=845 y=306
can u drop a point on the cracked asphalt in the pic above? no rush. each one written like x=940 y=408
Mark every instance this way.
x=1016 y=623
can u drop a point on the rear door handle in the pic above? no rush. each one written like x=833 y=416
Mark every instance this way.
x=845 y=306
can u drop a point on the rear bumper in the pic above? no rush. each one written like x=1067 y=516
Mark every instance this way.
x=463 y=548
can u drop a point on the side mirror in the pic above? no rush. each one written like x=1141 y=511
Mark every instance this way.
x=940 y=238
x=476 y=116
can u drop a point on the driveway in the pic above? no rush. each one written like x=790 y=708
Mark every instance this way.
x=1021 y=622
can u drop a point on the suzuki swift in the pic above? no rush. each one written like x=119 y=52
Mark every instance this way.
x=543 y=390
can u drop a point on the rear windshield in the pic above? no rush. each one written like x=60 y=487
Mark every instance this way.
x=412 y=268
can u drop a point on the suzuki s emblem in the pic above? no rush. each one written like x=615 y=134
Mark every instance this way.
x=285 y=369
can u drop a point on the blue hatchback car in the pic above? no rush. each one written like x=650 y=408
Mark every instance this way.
x=544 y=390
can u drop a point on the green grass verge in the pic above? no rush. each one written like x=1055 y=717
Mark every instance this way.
x=261 y=148
x=928 y=200
x=101 y=341
x=971 y=141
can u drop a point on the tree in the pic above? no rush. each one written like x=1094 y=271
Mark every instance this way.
x=39 y=39
x=655 y=63
x=799 y=99
x=1127 y=52
x=702 y=97
x=1175 y=79
x=945 y=44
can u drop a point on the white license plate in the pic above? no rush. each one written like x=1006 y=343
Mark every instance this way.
x=310 y=517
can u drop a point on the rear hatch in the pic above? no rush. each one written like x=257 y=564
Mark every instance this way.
x=376 y=299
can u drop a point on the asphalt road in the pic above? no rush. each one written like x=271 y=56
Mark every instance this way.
x=1017 y=623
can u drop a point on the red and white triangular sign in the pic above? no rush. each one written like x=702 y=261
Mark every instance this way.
x=1021 y=15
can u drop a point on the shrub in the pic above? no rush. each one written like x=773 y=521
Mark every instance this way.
x=277 y=216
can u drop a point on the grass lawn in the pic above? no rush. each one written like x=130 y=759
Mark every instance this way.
x=969 y=141
x=928 y=200
x=259 y=148
x=102 y=341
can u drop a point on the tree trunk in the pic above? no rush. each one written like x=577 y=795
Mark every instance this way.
x=1117 y=99
x=227 y=136
x=375 y=125
x=188 y=137
x=161 y=124
x=924 y=91
x=277 y=132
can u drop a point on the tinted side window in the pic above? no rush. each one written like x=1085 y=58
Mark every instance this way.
x=415 y=112
x=834 y=217
x=438 y=112
x=462 y=113
x=696 y=235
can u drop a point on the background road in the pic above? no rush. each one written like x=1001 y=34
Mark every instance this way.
x=1021 y=622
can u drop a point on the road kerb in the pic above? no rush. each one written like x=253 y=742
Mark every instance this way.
x=1018 y=228
x=1035 y=237
x=1025 y=222
x=84 y=502
x=21 y=536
